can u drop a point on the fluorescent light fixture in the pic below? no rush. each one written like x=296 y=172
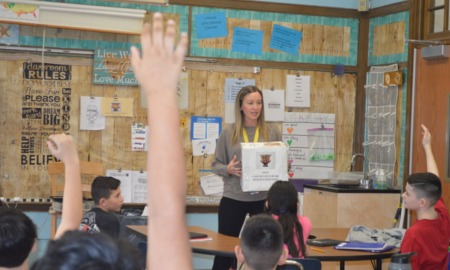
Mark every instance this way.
x=84 y=17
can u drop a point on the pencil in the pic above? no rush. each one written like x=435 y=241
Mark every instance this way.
x=318 y=249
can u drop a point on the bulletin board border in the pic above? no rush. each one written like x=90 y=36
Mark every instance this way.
x=351 y=60
x=383 y=20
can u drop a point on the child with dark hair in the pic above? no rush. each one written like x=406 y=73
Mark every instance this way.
x=429 y=236
x=17 y=231
x=261 y=246
x=282 y=203
x=108 y=200
x=17 y=238
x=79 y=250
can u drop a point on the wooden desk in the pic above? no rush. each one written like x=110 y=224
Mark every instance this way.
x=224 y=246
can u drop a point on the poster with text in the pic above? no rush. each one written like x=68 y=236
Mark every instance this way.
x=46 y=108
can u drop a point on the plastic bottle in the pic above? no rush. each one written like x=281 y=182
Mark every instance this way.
x=401 y=261
x=381 y=179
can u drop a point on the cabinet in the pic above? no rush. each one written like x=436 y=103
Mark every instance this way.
x=344 y=207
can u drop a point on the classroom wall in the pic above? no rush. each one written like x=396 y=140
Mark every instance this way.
x=23 y=166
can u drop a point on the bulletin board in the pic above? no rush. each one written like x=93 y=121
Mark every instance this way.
x=24 y=157
x=325 y=40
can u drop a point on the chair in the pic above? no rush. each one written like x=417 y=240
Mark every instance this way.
x=55 y=169
x=305 y=263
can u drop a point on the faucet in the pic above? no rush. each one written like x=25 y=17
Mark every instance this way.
x=352 y=163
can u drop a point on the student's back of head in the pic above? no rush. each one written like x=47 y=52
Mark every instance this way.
x=426 y=185
x=17 y=237
x=262 y=243
x=102 y=186
x=282 y=201
x=77 y=250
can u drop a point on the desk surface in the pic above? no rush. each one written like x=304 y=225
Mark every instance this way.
x=224 y=245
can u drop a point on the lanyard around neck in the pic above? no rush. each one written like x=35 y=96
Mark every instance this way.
x=255 y=139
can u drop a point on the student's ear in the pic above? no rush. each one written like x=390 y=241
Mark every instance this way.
x=34 y=248
x=239 y=255
x=284 y=255
x=424 y=202
x=101 y=201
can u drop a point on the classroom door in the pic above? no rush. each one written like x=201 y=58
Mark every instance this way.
x=431 y=107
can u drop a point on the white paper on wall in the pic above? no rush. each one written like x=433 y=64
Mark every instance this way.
x=125 y=182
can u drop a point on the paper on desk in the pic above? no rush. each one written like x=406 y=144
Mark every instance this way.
x=211 y=184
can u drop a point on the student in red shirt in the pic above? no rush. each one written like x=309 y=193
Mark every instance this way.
x=429 y=236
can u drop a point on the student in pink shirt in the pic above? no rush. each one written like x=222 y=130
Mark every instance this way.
x=282 y=203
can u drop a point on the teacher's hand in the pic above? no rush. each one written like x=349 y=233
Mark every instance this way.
x=234 y=167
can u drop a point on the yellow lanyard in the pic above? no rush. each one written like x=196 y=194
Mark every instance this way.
x=244 y=134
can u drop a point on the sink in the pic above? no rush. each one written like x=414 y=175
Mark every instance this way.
x=345 y=178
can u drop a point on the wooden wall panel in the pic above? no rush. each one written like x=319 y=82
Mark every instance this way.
x=112 y=146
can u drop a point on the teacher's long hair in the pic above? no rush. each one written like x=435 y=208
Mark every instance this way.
x=282 y=201
x=236 y=134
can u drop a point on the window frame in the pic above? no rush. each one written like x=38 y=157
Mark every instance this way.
x=428 y=20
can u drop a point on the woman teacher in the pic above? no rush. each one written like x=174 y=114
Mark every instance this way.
x=249 y=126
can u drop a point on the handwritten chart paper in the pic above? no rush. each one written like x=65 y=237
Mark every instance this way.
x=298 y=91
x=232 y=87
x=285 y=39
x=90 y=117
x=295 y=135
x=211 y=25
x=247 y=41
x=138 y=187
x=273 y=105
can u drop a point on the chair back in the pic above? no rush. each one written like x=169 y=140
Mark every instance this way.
x=306 y=264
x=56 y=169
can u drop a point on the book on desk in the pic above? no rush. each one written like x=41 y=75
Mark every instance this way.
x=361 y=246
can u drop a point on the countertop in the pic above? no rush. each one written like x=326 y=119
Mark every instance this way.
x=349 y=189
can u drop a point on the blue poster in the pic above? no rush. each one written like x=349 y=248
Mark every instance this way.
x=211 y=25
x=247 y=41
x=205 y=127
x=285 y=39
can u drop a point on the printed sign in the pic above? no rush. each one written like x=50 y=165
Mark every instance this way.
x=113 y=66
x=46 y=98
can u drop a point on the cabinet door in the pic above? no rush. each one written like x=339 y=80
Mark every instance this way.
x=375 y=210
x=320 y=207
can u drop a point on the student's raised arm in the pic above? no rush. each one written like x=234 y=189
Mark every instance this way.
x=426 y=143
x=158 y=70
x=63 y=148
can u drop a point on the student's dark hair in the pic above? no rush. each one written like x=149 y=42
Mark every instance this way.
x=282 y=200
x=262 y=242
x=102 y=187
x=426 y=185
x=17 y=237
x=77 y=250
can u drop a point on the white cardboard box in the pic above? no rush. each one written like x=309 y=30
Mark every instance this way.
x=262 y=165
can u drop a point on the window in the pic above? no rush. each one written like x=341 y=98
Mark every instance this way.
x=436 y=19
